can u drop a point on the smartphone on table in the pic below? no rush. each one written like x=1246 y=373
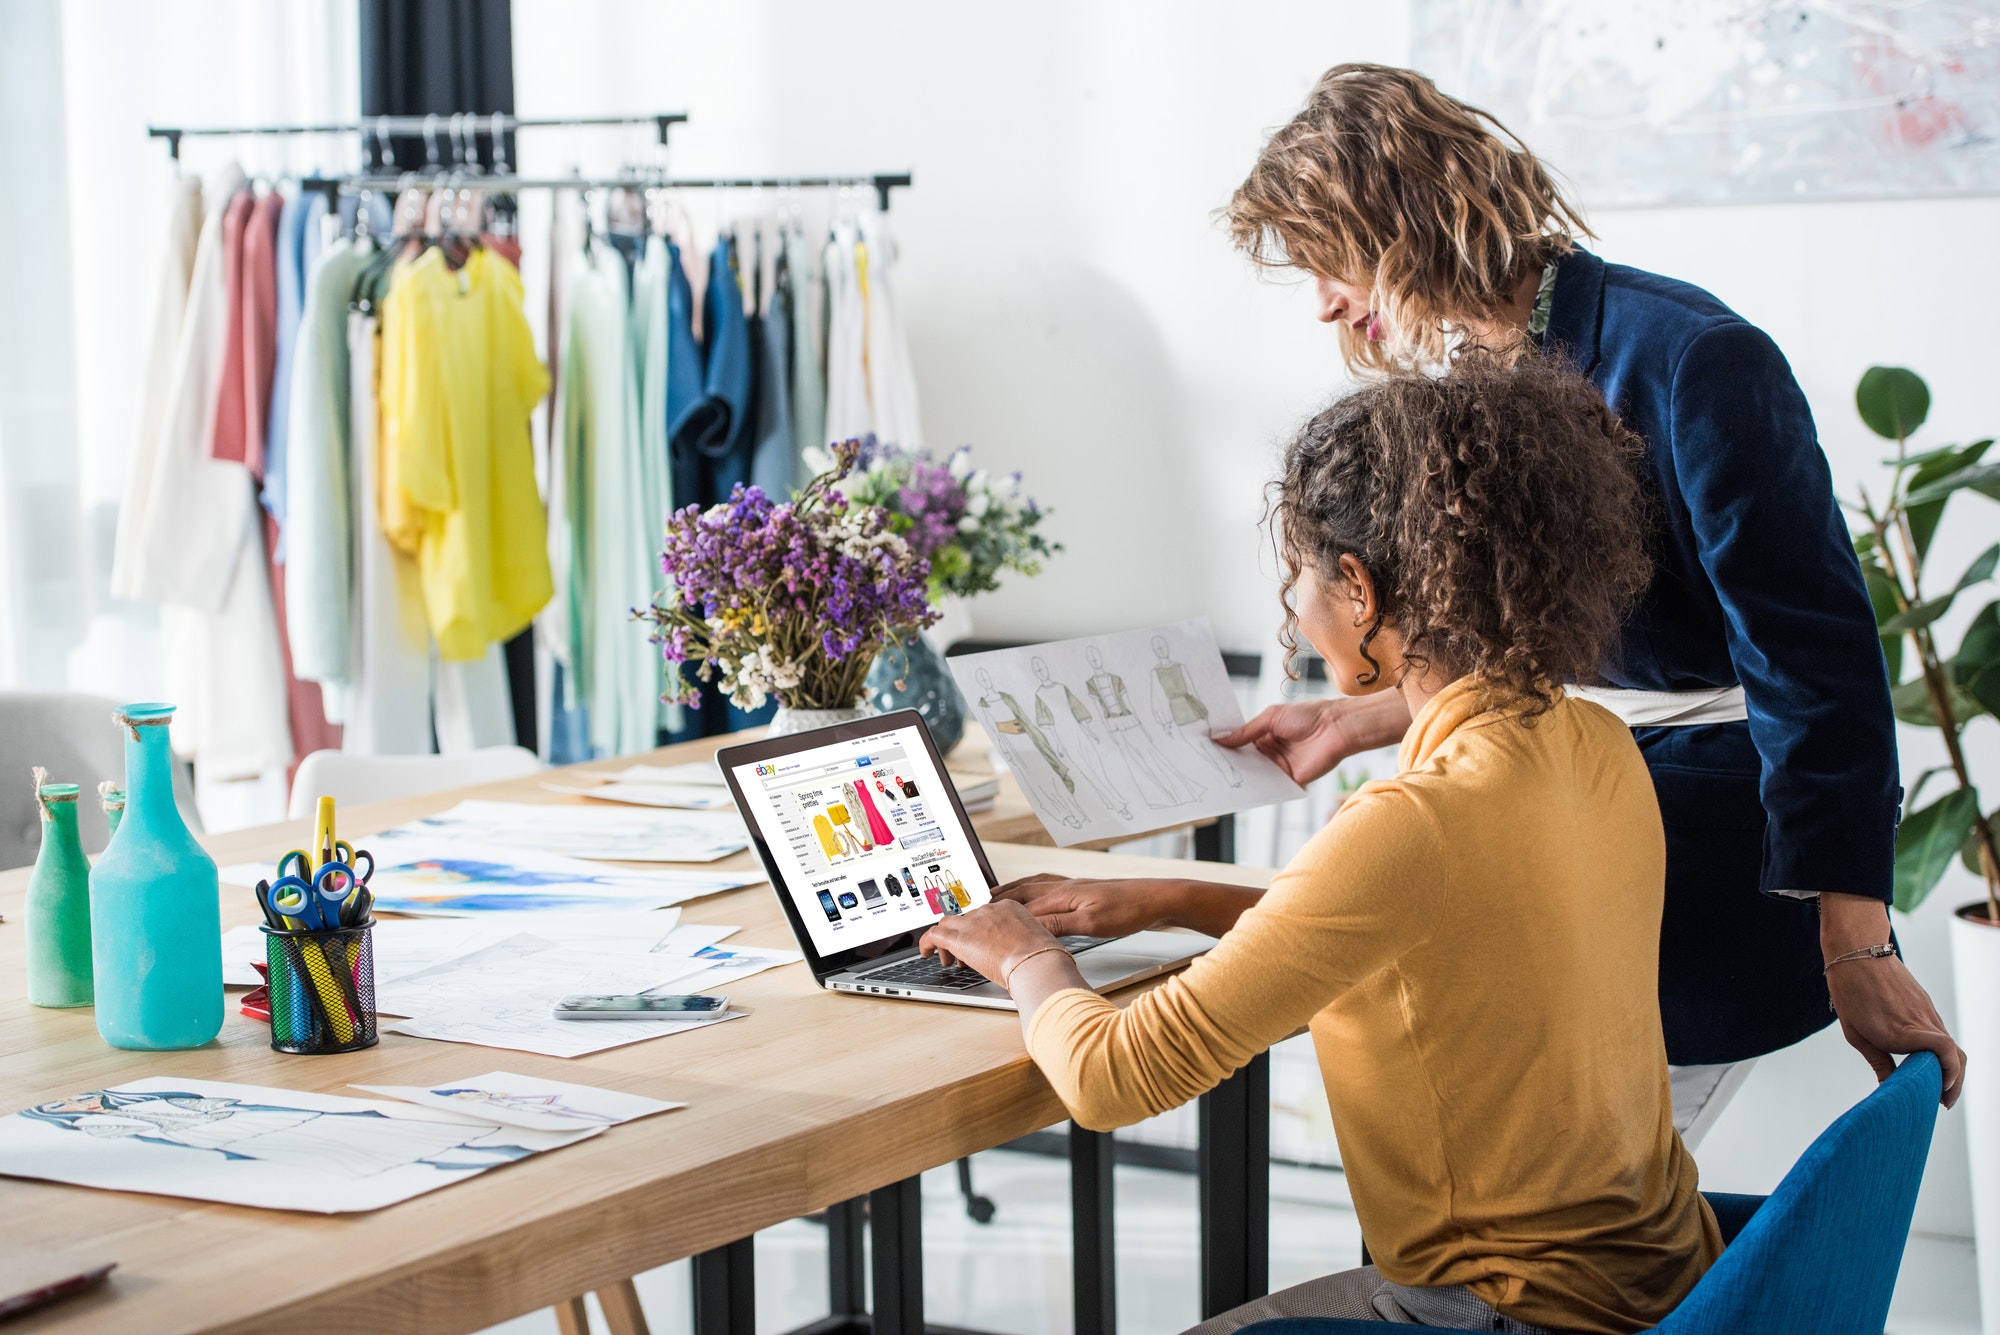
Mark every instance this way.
x=638 y=1007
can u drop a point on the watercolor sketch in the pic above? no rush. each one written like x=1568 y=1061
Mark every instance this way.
x=1655 y=102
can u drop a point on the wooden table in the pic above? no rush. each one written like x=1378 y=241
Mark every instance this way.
x=813 y=1101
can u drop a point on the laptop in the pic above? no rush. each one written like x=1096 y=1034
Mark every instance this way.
x=867 y=845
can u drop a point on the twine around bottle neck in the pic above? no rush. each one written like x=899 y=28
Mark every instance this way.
x=119 y=716
x=111 y=795
x=46 y=802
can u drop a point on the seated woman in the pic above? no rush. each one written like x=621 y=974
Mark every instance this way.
x=1473 y=943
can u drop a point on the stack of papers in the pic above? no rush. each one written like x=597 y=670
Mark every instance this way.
x=496 y=982
x=524 y=1101
x=697 y=786
x=976 y=792
x=588 y=832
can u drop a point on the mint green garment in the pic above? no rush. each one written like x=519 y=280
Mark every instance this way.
x=319 y=523
x=808 y=352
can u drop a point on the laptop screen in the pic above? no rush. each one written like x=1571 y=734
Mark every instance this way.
x=862 y=834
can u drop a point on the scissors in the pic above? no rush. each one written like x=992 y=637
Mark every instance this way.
x=316 y=903
x=299 y=862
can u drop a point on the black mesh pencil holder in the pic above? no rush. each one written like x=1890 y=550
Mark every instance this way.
x=322 y=989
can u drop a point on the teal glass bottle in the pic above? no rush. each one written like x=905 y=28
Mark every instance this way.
x=155 y=921
x=58 y=908
x=113 y=798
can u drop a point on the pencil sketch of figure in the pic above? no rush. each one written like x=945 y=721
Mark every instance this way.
x=1030 y=754
x=349 y=1144
x=1179 y=712
x=1067 y=722
x=544 y=1105
x=1160 y=784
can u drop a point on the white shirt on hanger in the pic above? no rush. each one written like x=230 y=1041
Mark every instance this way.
x=892 y=381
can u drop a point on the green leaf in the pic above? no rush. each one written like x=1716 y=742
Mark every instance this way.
x=1983 y=478
x=1892 y=401
x=1911 y=702
x=1937 y=465
x=1924 y=613
x=1917 y=788
x=1975 y=669
x=1864 y=542
x=1968 y=852
x=1882 y=597
x=1926 y=841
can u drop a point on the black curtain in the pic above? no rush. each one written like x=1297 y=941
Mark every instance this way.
x=442 y=56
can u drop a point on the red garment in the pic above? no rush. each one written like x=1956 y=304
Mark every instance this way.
x=228 y=439
x=259 y=283
x=310 y=730
x=506 y=247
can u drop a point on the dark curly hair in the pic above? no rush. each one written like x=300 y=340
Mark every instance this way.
x=1497 y=509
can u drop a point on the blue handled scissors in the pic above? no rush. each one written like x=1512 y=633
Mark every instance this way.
x=316 y=903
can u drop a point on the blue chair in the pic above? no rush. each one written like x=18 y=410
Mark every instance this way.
x=1819 y=1255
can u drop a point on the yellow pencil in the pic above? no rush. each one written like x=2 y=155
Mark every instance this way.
x=323 y=835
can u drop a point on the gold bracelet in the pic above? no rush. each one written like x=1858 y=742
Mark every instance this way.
x=1865 y=953
x=1008 y=981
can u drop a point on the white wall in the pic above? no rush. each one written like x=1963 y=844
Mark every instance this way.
x=1076 y=312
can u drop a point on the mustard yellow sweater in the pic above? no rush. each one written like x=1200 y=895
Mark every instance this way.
x=1475 y=944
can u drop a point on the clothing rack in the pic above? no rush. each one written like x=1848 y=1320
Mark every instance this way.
x=383 y=127
x=881 y=182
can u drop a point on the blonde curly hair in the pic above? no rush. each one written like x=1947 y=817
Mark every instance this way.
x=1382 y=181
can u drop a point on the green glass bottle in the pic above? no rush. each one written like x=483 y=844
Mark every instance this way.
x=58 y=908
x=113 y=798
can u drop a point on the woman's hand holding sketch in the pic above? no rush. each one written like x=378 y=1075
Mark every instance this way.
x=1308 y=738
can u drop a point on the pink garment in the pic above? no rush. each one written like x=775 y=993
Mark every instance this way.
x=260 y=324
x=876 y=825
x=228 y=437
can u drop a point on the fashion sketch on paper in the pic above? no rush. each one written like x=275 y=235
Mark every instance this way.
x=1179 y=711
x=1068 y=723
x=1030 y=754
x=1160 y=784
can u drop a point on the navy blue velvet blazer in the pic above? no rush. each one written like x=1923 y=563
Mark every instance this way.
x=1756 y=584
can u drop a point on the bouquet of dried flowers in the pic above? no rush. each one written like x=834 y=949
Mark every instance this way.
x=789 y=599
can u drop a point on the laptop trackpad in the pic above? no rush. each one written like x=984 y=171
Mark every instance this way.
x=1139 y=956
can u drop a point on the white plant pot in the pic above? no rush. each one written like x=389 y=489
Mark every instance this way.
x=788 y=720
x=1975 y=964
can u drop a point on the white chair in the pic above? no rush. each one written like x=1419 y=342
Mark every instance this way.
x=354 y=779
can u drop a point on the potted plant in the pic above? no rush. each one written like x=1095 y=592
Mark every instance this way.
x=792 y=600
x=1946 y=691
x=973 y=526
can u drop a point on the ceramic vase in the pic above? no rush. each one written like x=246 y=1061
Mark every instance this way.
x=911 y=674
x=1975 y=965
x=788 y=720
x=156 y=929
x=58 y=907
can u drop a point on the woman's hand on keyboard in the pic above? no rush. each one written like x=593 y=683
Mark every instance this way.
x=1087 y=908
x=991 y=939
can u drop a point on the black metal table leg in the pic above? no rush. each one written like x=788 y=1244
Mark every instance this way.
x=1235 y=1172
x=846 y=1258
x=895 y=1219
x=725 y=1290
x=1093 y=1263
x=1217 y=842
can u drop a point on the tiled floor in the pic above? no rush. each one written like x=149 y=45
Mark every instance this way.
x=1011 y=1277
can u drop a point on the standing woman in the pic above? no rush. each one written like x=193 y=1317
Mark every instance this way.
x=1750 y=674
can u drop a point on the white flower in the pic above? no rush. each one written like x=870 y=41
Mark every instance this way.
x=968 y=525
x=960 y=462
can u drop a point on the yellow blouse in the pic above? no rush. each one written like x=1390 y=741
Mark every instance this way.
x=459 y=379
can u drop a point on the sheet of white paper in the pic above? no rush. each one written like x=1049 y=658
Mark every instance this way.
x=691 y=797
x=694 y=771
x=605 y=833
x=719 y=968
x=525 y=1027
x=1108 y=736
x=279 y=1149
x=429 y=876
x=528 y=1101
x=524 y=969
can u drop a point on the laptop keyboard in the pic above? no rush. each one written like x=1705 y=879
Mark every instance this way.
x=931 y=972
